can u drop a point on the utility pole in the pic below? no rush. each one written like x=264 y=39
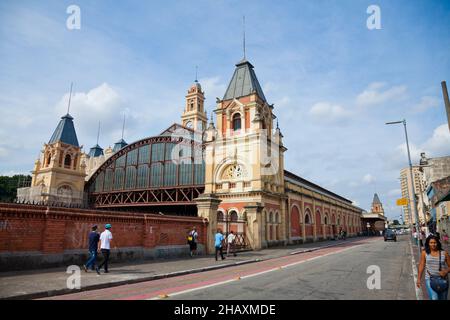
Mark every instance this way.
x=446 y=101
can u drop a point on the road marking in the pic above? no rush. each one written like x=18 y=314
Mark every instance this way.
x=254 y=274
x=419 y=293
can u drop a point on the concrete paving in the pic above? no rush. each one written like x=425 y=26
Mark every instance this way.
x=51 y=282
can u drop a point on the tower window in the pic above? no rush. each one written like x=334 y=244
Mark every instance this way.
x=67 y=161
x=237 y=122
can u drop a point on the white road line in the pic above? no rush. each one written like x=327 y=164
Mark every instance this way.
x=419 y=293
x=250 y=275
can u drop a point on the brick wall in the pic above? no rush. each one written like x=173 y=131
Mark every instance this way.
x=54 y=232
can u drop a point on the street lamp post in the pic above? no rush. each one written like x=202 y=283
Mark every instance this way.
x=412 y=180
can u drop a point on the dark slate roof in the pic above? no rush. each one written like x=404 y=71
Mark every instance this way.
x=376 y=199
x=96 y=151
x=244 y=82
x=288 y=174
x=65 y=132
x=119 y=145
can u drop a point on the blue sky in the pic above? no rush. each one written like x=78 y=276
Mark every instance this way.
x=334 y=82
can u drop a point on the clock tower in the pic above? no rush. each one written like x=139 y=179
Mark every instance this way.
x=194 y=115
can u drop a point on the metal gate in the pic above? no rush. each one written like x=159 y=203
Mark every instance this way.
x=230 y=222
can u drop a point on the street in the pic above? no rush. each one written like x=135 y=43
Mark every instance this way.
x=339 y=272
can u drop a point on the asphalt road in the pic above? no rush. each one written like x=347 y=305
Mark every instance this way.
x=339 y=275
x=331 y=273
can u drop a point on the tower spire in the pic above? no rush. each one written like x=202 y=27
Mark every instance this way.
x=70 y=96
x=98 y=132
x=123 y=125
x=196 y=73
x=243 y=29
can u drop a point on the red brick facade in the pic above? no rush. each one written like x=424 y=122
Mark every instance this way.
x=25 y=228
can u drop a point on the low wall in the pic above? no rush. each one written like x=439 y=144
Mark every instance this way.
x=34 y=236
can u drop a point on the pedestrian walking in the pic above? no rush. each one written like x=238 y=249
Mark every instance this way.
x=94 y=238
x=219 y=243
x=416 y=237
x=422 y=237
x=192 y=241
x=436 y=262
x=105 y=246
x=231 y=243
x=445 y=238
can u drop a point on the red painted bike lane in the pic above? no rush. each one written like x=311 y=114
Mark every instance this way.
x=170 y=286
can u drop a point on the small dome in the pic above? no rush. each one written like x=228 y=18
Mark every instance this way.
x=196 y=86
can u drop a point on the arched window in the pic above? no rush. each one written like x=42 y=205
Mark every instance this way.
x=220 y=216
x=326 y=220
x=307 y=219
x=233 y=216
x=237 y=122
x=271 y=217
x=67 y=161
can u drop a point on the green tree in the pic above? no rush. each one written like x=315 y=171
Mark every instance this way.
x=9 y=185
x=396 y=223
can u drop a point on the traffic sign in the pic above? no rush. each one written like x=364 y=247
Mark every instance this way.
x=402 y=202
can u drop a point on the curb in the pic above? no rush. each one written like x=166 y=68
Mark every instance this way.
x=52 y=293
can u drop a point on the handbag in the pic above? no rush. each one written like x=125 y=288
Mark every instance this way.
x=437 y=283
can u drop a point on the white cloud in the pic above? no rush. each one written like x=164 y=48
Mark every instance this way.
x=103 y=104
x=373 y=94
x=368 y=178
x=402 y=154
x=213 y=88
x=439 y=143
x=328 y=112
x=426 y=103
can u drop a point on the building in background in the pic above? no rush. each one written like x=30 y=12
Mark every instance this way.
x=419 y=192
x=230 y=173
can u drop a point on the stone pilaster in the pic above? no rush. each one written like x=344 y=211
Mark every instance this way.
x=207 y=205
x=254 y=223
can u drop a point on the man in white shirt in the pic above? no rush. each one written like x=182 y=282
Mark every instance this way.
x=230 y=244
x=105 y=246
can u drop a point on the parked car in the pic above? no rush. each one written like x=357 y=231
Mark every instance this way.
x=389 y=234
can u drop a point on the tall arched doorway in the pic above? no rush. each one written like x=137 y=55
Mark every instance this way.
x=295 y=222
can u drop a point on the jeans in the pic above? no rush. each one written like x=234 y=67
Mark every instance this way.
x=219 y=249
x=231 y=248
x=105 y=253
x=92 y=259
x=433 y=294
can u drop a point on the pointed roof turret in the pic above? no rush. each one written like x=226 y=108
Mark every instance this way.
x=376 y=200
x=65 y=132
x=244 y=82
x=119 y=145
x=96 y=151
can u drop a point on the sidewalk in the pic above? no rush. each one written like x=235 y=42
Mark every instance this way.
x=51 y=282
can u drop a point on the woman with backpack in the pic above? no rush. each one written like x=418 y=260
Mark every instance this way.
x=192 y=241
x=435 y=262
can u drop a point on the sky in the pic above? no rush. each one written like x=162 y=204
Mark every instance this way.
x=333 y=81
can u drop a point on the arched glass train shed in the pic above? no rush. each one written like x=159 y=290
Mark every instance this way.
x=157 y=174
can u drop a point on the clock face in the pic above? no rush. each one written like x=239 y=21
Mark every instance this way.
x=189 y=124
x=235 y=171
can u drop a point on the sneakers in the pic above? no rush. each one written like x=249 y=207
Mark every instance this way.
x=84 y=268
x=97 y=270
